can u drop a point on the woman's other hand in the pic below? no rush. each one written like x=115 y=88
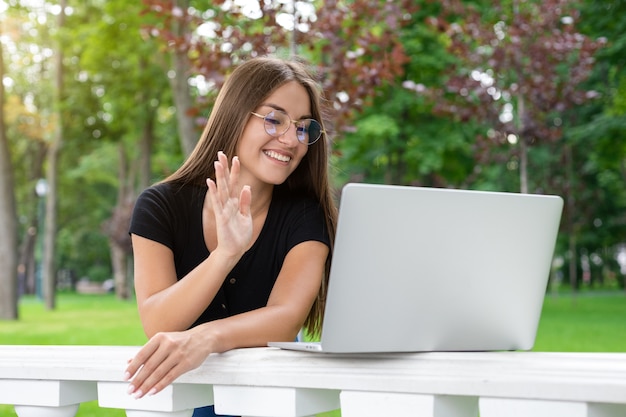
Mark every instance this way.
x=164 y=358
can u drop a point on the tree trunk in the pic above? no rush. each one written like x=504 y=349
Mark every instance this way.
x=523 y=165
x=49 y=227
x=523 y=148
x=118 y=260
x=570 y=205
x=116 y=227
x=145 y=151
x=180 y=86
x=8 y=219
x=26 y=260
x=27 y=282
x=49 y=267
x=118 y=257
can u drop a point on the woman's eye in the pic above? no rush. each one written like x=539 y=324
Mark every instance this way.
x=272 y=120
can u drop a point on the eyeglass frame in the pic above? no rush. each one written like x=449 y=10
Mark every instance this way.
x=295 y=122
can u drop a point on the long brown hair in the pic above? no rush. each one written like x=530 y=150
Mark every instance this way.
x=245 y=89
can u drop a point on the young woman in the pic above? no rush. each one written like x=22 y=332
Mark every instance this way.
x=233 y=249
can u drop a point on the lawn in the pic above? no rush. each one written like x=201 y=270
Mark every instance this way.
x=586 y=322
x=77 y=320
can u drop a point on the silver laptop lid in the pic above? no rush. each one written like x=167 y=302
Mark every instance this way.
x=423 y=269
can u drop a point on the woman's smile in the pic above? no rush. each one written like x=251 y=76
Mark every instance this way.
x=281 y=157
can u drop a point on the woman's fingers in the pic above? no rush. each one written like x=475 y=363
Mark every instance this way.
x=223 y=159
x=135 y=364
x=154 y=367
x=221 y=182
x=161 y=377
x=226 y=179
x=234 y=176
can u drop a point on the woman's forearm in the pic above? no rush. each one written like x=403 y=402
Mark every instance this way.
x=254 y=328
x=176 y=307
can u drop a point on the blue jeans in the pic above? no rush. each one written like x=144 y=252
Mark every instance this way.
x=208 y=411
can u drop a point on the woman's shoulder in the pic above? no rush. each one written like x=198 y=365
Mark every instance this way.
x=170 y=199
x=172 y=191
x=165 y=206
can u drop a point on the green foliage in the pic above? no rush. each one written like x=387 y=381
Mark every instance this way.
x=619 y=100
x=114 y=81
x=398 y=139
x=596 y=135
x=369 y=150
x=117 y=82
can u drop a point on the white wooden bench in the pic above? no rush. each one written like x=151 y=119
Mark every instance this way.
x=52 y=381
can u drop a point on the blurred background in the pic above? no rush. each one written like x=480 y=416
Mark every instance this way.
x=101 y=98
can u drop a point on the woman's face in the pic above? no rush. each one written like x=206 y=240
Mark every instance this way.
x=268 y=159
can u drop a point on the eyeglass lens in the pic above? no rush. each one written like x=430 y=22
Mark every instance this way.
x=307 y=131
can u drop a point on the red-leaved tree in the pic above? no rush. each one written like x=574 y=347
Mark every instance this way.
x=354 y=45
x=520 y=67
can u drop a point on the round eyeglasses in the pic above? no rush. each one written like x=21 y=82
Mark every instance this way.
x=276 y=123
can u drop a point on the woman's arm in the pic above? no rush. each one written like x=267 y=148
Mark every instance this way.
x=168 y=355
x=164 y=303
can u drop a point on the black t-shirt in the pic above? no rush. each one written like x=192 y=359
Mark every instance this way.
x=171 y=214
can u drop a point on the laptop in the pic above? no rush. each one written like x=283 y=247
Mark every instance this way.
x=425 y=269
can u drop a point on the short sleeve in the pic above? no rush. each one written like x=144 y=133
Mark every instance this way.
x=307 y=223
x=153 y=216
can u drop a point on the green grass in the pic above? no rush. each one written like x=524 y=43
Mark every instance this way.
x=77 y=320
x=586 y=322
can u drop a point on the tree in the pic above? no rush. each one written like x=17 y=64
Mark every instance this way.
x=113 y=92
x=27 y=126
x=520 y=67
x=192 y=55
x=26 y=130
x=8 y=217
x=181 y=30
x=49 y=270
x=354 y=45
x=126 y=65
x=376 y=60
x=597 y=150
x=397 y=139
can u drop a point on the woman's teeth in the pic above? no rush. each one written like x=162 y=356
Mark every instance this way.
x=277 y=156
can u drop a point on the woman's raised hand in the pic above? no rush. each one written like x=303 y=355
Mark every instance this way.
x=231 y=207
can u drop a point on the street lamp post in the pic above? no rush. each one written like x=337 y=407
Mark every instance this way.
x=41 y=189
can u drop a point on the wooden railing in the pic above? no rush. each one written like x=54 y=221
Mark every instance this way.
x=52 y=381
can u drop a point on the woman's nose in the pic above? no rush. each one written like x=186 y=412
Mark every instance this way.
x=290 y=137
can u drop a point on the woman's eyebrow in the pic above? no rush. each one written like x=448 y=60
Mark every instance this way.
x=274 y=106
x=281 y=109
